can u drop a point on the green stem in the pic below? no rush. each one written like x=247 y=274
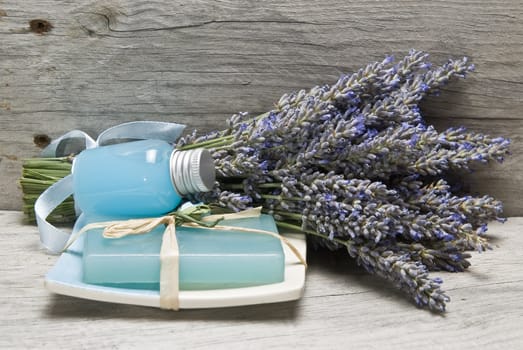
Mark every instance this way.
x=34 y=196
x=231 y=186
x=280 y=198
x=47 y=163
x=294 y=216
x=219 y=141
x=236 y=186
x=188 y=218
x=36 y=182
x=49 y=174
x=270 y=185
x=208 y=143
x=313 y=233
x=221 y=147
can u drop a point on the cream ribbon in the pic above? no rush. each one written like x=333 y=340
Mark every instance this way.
x=169 y=252
x=169 y=269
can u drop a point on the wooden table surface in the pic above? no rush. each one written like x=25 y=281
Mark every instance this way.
x=343 y=307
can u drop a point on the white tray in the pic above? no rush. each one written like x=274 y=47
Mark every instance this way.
x=66 y=278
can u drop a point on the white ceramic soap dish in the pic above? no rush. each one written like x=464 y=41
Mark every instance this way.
x=66 y=278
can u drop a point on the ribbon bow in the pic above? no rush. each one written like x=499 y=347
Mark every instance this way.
x=75 y=141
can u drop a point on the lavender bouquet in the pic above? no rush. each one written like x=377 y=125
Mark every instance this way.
x=355 y=167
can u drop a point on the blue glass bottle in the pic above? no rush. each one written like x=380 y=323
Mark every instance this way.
x=139 y=179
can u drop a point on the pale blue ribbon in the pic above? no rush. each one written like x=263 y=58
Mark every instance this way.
x=74 y=142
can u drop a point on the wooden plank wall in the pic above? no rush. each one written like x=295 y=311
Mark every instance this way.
x=91 y=64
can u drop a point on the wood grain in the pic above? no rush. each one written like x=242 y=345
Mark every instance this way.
x=342 y=307
x=197 y=62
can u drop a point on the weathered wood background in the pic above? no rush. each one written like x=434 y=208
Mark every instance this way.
x=91 y=64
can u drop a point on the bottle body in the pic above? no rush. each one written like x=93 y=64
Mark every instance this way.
x=125 y=180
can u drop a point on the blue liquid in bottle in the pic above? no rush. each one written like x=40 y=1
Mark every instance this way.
x=138 y=179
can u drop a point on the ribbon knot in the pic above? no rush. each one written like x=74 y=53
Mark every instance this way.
x=121 y=229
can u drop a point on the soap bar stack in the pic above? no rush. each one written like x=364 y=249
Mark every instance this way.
x=209 y=259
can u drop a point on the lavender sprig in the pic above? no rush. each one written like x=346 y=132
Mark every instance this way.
x=398 y=267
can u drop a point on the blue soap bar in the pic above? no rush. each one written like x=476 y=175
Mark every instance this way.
x=209 y=259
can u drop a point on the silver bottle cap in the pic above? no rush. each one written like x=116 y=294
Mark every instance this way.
x=192 y=171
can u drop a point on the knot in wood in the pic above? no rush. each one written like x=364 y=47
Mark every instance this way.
x=40 y=26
